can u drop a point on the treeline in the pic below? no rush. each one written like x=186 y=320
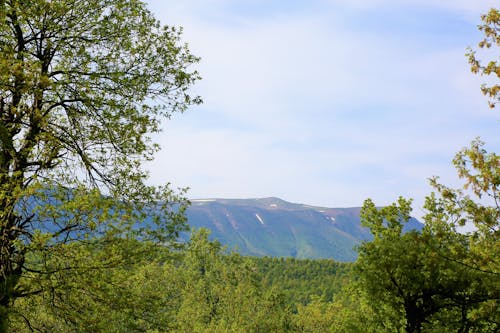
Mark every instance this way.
x=200 y=288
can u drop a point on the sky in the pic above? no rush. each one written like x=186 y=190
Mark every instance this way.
x=325 y=102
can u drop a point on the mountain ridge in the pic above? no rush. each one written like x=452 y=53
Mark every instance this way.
x=274 y=227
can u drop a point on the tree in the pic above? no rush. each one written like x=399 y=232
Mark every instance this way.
x=491 y=29
x=83 y=84
x=442 y=279
x=476 y=205
x=439 y=279
x=409 y=278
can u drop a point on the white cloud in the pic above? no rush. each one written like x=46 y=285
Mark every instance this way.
x=331 y=115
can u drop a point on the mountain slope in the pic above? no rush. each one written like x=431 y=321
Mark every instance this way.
x=274 y=227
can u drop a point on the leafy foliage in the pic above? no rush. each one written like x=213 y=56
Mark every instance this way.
x=491 y=30
x=302 y=279
x=198 y=289
x=439 y=279
x=83 y=84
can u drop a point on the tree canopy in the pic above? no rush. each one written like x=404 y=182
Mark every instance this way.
x=83 y=85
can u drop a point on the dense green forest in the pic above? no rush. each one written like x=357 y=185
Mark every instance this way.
x=301 y=281
x=203 y=288
x=86 y=245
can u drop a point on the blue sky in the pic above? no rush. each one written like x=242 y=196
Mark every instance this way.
x=325 y=102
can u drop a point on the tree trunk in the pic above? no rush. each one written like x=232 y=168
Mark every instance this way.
x=414 y=318
x=11 y=259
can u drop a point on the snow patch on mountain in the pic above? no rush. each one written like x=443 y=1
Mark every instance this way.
x=259 y=218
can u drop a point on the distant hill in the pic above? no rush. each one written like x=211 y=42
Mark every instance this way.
x=277 y=228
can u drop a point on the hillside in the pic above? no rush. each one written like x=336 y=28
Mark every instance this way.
x=277 y=228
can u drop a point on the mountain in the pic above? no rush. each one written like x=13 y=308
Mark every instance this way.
x=277 y=228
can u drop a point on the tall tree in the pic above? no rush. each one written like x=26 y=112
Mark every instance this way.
x=443 y=279
x=421 y=281
x=83 y=84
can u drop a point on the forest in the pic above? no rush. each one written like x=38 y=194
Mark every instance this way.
x=87 y=245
